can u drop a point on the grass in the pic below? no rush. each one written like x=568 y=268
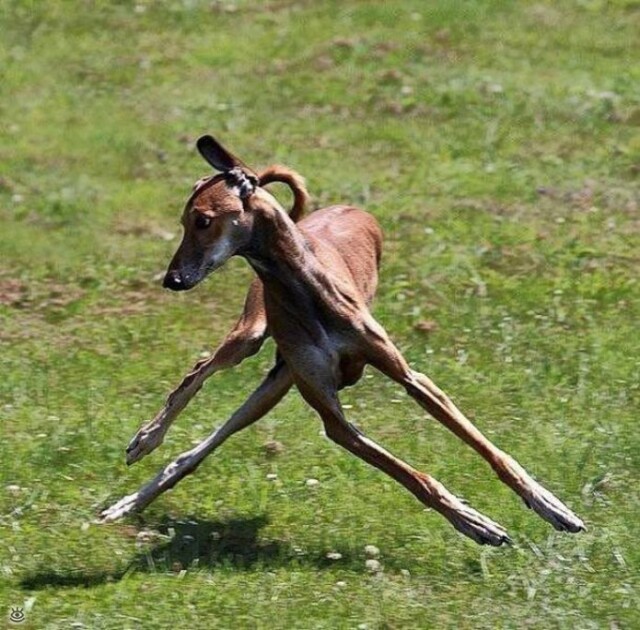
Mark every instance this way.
x=497 y=143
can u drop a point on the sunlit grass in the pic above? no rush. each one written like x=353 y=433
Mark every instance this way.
x=498 y=145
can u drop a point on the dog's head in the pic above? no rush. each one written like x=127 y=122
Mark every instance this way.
x=217 y=220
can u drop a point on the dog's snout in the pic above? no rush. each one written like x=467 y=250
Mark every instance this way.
x=173 y=280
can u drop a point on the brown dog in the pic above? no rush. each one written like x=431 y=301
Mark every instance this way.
x=316 y=279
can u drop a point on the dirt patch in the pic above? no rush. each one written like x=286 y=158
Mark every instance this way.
x=38 y=296
x=126 y=227
x=13 y=292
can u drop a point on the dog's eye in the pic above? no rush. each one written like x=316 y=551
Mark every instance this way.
x=202 y=221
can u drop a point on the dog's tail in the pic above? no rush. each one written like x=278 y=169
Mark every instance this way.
x=277 y=173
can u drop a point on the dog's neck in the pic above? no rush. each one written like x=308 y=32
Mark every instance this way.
x=287 y=261
x=278 y=250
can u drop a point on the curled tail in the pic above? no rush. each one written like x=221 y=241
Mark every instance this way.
x=295 y=182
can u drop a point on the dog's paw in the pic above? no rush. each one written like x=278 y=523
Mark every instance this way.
x=145 y=441
x=126 y=505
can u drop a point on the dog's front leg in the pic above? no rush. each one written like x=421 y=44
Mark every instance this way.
x=263 y=399
x=243 y=341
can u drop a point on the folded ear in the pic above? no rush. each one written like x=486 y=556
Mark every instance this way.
x=214 y=153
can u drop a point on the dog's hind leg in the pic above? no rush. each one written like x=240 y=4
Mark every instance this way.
x=425 y=488
x=386 y=357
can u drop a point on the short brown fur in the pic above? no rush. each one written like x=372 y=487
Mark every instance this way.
x=316 y=279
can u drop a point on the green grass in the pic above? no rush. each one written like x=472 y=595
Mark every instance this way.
x=498 y=143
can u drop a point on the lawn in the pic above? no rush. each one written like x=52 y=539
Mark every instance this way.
x=498 y=144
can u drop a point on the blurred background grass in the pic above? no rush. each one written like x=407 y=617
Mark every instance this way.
x=498 y=144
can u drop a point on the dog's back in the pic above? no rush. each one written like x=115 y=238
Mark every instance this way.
x=356 y=237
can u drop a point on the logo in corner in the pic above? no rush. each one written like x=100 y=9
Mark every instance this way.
x=16 y=615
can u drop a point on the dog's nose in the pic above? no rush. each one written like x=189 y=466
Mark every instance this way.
x=173 y=280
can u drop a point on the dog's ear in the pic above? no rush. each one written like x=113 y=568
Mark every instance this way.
x=214 y=153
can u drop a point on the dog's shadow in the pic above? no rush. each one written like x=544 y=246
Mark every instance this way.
x=194 y=543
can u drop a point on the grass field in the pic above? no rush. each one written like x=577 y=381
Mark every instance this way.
x=497 y=142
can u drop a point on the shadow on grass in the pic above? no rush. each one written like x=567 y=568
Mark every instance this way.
x=192 y=543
